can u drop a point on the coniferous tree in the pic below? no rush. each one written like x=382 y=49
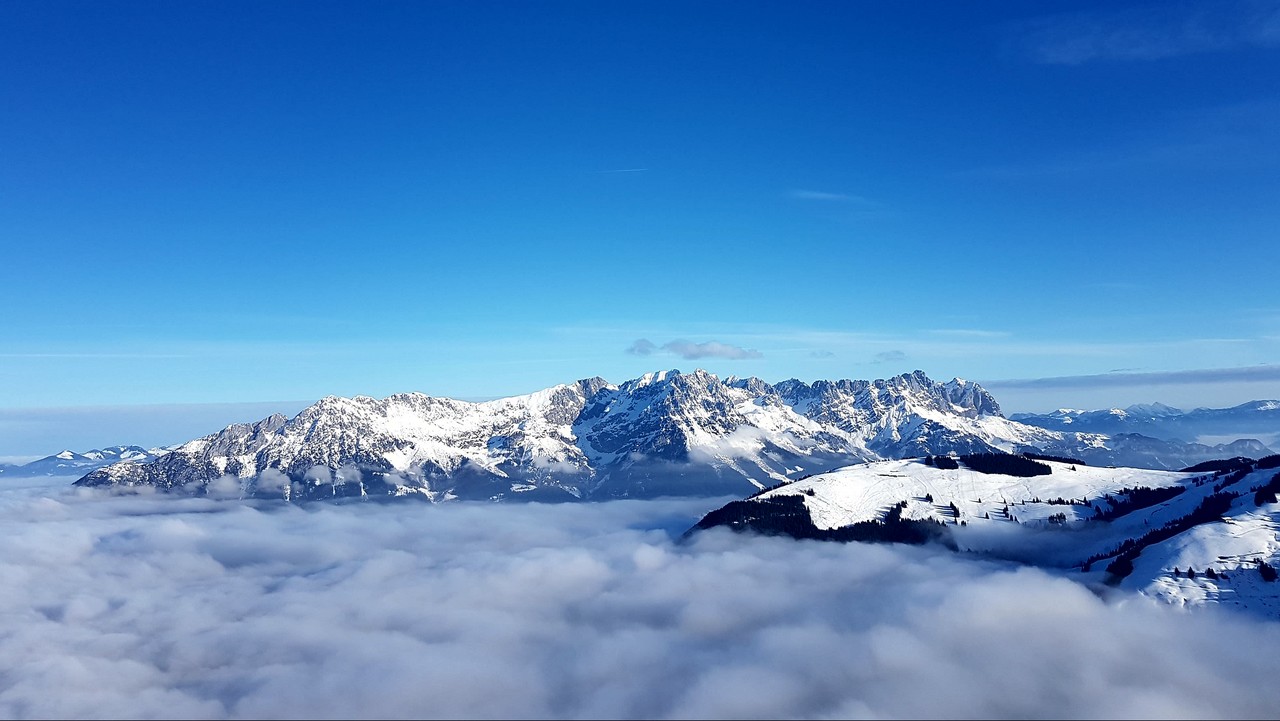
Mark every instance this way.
x=1267 y=570
x=1122 y=566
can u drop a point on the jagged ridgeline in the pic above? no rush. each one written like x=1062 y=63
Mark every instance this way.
x=665 y=433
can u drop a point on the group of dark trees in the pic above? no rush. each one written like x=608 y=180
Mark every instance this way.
x=1023 y=466
x=776 y=486
x=1129 y=500
x=1226 y=472
x=788 y=516
x=1005 y=464
x=783 y=515
x=1211 y=508
x=1209 y=573
x=1058 y=459
x=1268 y=571
x=1221 y=464
x=1234 y=472
x=946 y=463
x=1224 y=476
x=1266 y=493
x=1231 y=478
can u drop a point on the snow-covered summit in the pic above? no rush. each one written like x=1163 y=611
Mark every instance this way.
x=69 y=462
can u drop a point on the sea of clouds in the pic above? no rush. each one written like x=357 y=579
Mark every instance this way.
x=154 y=606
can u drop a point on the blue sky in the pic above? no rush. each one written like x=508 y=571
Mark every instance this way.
x=246 y=202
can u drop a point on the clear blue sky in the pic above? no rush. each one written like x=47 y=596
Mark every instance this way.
x=235 y=202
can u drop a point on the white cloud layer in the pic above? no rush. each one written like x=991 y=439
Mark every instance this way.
x=694 y=351
x=165 y=607
x=1259 y=373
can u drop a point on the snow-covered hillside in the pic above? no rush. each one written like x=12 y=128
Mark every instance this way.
x=661 y=434
x=1188 y=537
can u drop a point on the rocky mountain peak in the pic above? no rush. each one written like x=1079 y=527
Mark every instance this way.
x=666 y=432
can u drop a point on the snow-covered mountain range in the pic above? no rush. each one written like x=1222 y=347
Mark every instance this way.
x=663 y=433
x=1255 y=419
x=1207 y=536
x=69 y=462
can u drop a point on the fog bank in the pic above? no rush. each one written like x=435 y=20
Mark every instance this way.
x=170 y=607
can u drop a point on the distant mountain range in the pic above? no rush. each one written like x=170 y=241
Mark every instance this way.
x=69 y=462
x=1255 y=419
x=1203 y=537
x=664 y=433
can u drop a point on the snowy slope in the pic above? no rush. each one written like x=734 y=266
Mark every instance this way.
x=864 y=492
x=1073 y=519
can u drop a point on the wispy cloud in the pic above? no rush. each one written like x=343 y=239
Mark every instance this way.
x=1247 y=374
x=890 y=356
x=694 y=351
x=1152 y=32
x=821 y=354
x=710 y=349
x=642 y=346
x=834 y=198
x=959 y=342
x=968 y=333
